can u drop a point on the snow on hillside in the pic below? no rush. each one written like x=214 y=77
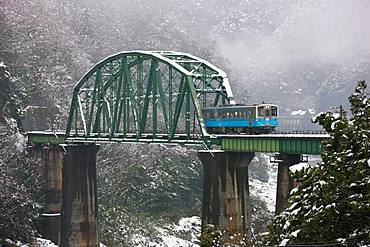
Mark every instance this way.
x=266 y=191
x=44 y=243
x=39 y=242
x=183 y=234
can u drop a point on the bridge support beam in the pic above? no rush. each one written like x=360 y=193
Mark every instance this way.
x=284 y=180
x=226 y=200
x=50 y=159
x=79 y=201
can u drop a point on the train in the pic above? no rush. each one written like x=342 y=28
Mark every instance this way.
x=238 y=119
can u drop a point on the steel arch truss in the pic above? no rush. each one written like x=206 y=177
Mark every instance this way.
x=147 y=97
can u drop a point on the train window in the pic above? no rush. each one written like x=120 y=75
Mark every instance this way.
x=236 y=114
x=267 y=112
x=273 y=111
x=227 y=114
x=211 y=115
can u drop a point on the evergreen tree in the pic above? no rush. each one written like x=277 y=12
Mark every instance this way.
x=332 y=202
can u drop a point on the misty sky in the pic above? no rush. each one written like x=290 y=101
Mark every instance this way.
x=299 y=54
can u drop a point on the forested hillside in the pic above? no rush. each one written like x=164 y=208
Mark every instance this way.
x=298 y=54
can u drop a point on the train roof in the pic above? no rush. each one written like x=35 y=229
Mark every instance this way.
x=237 y=106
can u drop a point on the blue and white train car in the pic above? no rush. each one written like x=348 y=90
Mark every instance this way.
x=249 y=119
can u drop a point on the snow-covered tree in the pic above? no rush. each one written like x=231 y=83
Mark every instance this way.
x=10 y=96
x=18 y=176
x=332 y=202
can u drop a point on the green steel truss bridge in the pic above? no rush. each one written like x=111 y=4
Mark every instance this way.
x=139 y=96
x=157 y=97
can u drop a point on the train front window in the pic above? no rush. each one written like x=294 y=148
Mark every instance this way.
x=273 y=111
x=261 y=111
x=267 y=112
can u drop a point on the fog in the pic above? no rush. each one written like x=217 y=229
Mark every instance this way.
x=329 y=32
x=299 y=54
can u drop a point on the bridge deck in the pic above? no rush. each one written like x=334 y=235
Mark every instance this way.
x=268 y=143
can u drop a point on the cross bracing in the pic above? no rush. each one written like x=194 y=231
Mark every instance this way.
x=142 y=95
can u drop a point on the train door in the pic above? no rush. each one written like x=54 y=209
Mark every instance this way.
x=267 y=112
x=250 y=117
x=261 y=112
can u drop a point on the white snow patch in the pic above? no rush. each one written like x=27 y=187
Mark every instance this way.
x=330 y=206
x=294 y=190
x=284 y=242
x=189 y=227
x=315 y=117
x=39 y=242
x=295 y=233
x=175 y=241
x=295 y=211
x=342 y=240
x=286 y=225
x=322 y=182
x=298 y=167
x=298 y=112
x=44 y=243
x=266 y=191
x=50 y=215
x=336 y=115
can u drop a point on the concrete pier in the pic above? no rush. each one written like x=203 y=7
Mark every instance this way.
x=50 y=158
x=79 y=201
x=226 y=200
x=284 y=180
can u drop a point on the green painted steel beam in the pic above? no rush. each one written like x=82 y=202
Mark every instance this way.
x=42 y=137
x=304 y=144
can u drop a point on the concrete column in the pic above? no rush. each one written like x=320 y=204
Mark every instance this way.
x=50 y=158
x=226 y=201
x=284 y=180
x=78 y=226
